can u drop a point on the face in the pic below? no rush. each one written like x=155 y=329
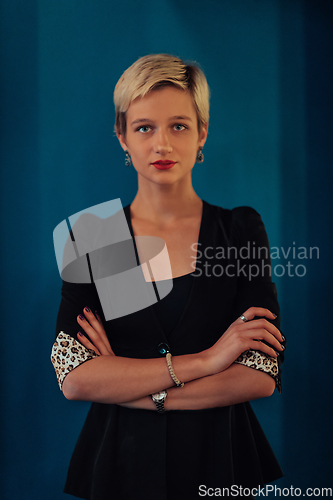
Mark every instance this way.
x=162 y=135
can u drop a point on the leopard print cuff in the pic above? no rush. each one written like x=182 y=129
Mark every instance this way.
x=263 y=362
x=68 y=354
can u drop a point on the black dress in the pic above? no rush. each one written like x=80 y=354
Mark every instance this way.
x=134 y=454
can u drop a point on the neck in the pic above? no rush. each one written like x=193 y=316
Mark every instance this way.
x=165 y=203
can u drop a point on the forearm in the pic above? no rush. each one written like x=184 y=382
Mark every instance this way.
x=113 y=379
x=235 y=385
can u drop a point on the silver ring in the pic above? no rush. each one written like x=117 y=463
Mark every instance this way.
x=242 y=317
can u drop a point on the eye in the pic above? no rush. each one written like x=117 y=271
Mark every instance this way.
x=179 y=127
x=144 y=129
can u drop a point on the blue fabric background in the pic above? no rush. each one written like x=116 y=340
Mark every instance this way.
x=269 y=66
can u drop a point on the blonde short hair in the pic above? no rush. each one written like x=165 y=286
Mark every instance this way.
x=156 y=71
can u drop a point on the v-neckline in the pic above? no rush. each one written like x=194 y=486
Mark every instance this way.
x=127 y=211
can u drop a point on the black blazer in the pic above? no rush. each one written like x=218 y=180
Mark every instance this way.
x=132 y=454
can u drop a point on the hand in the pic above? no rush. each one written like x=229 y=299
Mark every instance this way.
x=242 y=336
x=93 y=327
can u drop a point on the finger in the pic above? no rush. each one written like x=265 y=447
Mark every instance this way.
x=93 y=335
x=95 y=321
x=252 y=312
x=260 y=346
x=86 y=342
x=264 y=324
x=97 y=324
x=98 y=317
x=261 y=334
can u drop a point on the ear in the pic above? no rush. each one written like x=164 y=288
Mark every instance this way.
x=121 y=139
x=203 y=135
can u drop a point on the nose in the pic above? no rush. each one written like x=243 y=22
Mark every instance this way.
x=162 y=143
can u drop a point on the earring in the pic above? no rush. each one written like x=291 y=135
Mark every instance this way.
x=200 y=156
x=128 y=161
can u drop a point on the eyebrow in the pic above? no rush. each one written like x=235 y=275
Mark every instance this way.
x=181 y=118
x=144 y=120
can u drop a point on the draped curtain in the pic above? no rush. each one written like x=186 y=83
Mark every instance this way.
x=269 y=67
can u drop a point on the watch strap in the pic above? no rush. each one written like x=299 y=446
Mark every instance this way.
x=159 y=401
x=159 y=406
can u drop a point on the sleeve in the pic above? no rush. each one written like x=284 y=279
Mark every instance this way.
x=67 y=352
x=254 y=283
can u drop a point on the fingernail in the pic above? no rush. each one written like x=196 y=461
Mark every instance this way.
x=277 y=353
x=283 y=338
x=87 y=309
x=275 y=316
x=80 y=334
x=81 y=317
x=283 y=347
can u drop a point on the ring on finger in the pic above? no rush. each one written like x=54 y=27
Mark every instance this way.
x=243 y=318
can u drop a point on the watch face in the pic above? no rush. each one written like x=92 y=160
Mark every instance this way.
x=159 y=396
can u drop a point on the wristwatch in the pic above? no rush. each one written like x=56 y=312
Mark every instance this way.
x=159 y=399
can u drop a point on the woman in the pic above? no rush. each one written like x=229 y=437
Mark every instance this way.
x=167 y=426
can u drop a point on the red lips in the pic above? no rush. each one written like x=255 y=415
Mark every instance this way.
x=164 y=164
